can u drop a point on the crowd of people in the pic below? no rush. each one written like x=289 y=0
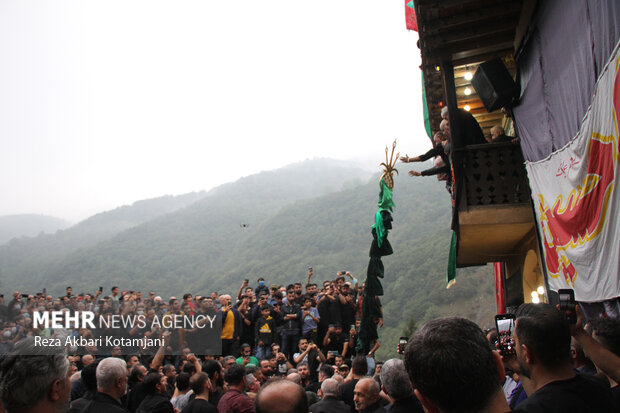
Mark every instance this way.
x=286 y=350
x=326 y=317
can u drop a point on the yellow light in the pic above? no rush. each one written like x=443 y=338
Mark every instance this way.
x=468 y=76
x=467 y=107
x=437 y=68
x=467 y=91
x=540 y=290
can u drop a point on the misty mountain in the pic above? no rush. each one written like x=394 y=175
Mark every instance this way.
x=33 y=260
x=32 y=257
x=29 y=225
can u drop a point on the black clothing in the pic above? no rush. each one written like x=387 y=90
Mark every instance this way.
x=215 y=396
x=441 y=151
x=437 y=150
x=330 y=405
x=169 y=389
x=436 y=170
x=325 y=319
x=103 y=403
x=503 y=139
x=292 y=324
x=313 y=365
x=409 y=404
x=615 y=396
x=135 y=397
x=77 y=389
x=375 y=408
x=471 y=133
x=336 y=342
x=346 y=393
x=348 y=316
x=581 y=394
x=299 y=300
x=155 y=403
x=334 y=310
x=265 y=331
x=79 y=404
x=199 y=406
x=198 y=338
x=314 y=386
x=261 y=289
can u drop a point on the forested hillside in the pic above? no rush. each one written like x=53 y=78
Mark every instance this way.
x=77 y=253
x=28 y=225
x=30 y=260
x=276 y=225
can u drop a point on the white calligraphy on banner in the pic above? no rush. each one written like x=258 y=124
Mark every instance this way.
x=576 y=201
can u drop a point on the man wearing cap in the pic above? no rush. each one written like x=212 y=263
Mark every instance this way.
x=273 y=289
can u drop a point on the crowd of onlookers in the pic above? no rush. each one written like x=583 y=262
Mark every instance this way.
x=289 y=350
x=260 y=317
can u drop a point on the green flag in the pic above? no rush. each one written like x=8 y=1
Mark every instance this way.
x=427 y=117
x=451 y=273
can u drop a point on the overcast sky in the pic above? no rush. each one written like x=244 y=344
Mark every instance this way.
x=108 y=102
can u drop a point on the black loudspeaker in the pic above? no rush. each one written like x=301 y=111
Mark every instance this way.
x=494 y=85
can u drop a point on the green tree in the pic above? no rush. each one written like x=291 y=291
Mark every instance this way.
x=410 y=327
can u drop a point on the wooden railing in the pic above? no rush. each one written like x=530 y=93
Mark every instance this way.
x=495 y=175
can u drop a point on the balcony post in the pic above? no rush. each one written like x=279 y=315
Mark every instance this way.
x=500 y=294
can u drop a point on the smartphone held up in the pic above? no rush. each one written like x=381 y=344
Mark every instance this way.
x=568 y=305
x=505 y=324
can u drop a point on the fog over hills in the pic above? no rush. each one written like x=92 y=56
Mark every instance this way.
x=33 y=260
x=29 y=225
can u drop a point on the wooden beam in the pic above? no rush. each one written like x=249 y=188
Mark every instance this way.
x=470 y=44
x=497 y=11
x=475 y=56
x=447 y=37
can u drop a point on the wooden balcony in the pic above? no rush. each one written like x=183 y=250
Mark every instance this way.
x=495 y=215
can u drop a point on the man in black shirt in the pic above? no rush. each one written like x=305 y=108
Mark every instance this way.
x=542 y=344
x=89 y=379
x=171 y=373
x=111 y=387
x=335 y=339
x=471 y=132
x=201 y=403
x=330 y=402
x=155 y=400
x=360 y=368
x=215 y=372
x=291 y=315
x=311 y=355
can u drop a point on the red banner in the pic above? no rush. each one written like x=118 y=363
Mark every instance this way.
x=412 y=23
x=577 y=199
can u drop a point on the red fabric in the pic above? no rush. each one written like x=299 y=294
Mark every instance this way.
x=412 y=23
x=233 y=401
